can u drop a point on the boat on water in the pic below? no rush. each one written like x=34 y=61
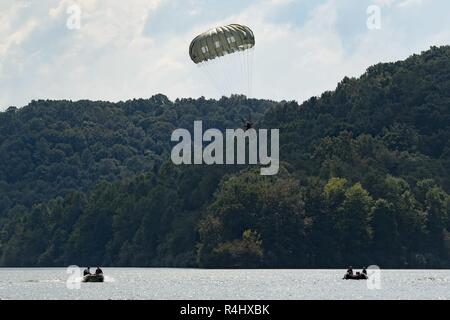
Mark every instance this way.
x=94 y=278
x=358 y=276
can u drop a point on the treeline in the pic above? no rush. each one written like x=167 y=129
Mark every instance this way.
x=51 y=148
x=364 y=180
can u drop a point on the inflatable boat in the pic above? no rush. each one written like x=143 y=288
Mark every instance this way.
x=93 y=278
x=359 y=276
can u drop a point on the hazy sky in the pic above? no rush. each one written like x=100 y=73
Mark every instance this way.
x=137 y=48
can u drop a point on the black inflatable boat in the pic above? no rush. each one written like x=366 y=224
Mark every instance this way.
x=93 y=278
x=359 y=276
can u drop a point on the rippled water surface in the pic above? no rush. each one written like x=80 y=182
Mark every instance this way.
x=148 y=283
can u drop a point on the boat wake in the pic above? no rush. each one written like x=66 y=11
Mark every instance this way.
x=106 y=279
x=44 y=281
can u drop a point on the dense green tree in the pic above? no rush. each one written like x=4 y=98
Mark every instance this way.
x=352 y=224
x=437 y=220
x=386 y=244
x=271 y=207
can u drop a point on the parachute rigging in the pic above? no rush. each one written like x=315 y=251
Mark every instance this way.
x=225 y=55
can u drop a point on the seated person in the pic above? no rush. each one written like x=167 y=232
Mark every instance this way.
x=350 y=271
x=98 y=271
x=87 y=271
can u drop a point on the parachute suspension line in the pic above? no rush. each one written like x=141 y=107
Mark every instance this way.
x=203 y=66
x=224 y=70
x=239 y=56
x=232 y=73
x=234 y=68
x=207 y=70
x=237 y=67
x=248 y=72
x=216 y=68
x=244 y=80
x=252 y=54
x=222 y=65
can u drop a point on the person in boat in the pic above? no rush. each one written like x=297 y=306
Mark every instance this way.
x=98 y=271
x=87 y=271
x=364 y=271
x=350 y=271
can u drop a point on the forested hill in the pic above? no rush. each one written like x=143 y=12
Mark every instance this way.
x=365 y=179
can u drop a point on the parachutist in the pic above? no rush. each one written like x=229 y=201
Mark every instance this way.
x=247 y=124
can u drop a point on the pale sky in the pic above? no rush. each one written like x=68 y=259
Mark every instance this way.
x=138 y=48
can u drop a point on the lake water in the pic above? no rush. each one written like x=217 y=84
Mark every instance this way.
x=154 y=283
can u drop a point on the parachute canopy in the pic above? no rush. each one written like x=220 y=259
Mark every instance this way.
x=221 y=41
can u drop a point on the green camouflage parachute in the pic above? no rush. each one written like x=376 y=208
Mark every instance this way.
x=221 y=41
